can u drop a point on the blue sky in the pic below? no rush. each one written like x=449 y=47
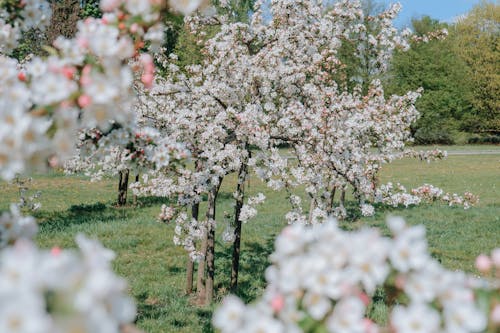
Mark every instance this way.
x=443 y=10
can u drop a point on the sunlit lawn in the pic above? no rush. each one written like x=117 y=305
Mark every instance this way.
x=154 y=267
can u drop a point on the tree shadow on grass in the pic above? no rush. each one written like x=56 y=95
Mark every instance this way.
x=224 y=196
x=205 y=317
x=254 y=259
x=80 y=214
x=148 y=307
x=93 y=213
x=150 y=201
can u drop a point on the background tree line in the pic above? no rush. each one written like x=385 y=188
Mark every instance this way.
x=460 y=75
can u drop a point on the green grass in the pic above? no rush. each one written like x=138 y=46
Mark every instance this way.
x=454 y=148
x=154 y=267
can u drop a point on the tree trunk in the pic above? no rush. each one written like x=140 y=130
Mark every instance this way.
x=190 y=263
x=342 y=199
x=135 y=195
x=200 y=278
x=123 y=187
x=240 y=196
x=329 y=210
x=311 y=210
x=209 y=282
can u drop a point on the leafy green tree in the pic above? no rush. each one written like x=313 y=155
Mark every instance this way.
x=189 y=46
x=436 y=67
x=477 y=37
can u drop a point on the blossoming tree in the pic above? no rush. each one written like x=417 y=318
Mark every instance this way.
x=265 y=83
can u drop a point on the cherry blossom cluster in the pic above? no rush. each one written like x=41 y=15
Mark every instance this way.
x=62 y=291
x=398 y=195
x=433 y=35
x=86 y=82
x=57 y=291
x=426 y=155
x=188 y=232
x=138 y=149
x=323 y=278
x=248 y=210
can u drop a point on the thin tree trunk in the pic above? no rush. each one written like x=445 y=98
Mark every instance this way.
x=240 y=196
x=332 y=198
x=190 y=263
x=342 y=199
x=311 y=210
x=123 y=187
x=209 y=282
x=200 y=278
x=135 y=195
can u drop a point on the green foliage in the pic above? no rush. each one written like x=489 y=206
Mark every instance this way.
x=443 y=75
x=31 y=42
x=459 y=75
x=478 y=36
x=236 y=10
x=485 y=139
x=90 y=8
x=189 y=46
x=174 y=24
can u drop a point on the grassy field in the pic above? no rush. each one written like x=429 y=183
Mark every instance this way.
x=154 y=267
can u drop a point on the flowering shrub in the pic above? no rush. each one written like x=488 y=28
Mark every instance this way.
x=322 y=279
x=86 y=82
x=398 y=195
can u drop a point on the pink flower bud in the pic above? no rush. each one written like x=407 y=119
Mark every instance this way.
x=364 y=298
x=85 y=80
x=369 y=326
x=82 y=42
x=86 y=70
x=134 y=28
x=69 y=72
x=84 y=101
x=483 y=263
x=277 y=303
x=147 y=79
x=55 y=251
